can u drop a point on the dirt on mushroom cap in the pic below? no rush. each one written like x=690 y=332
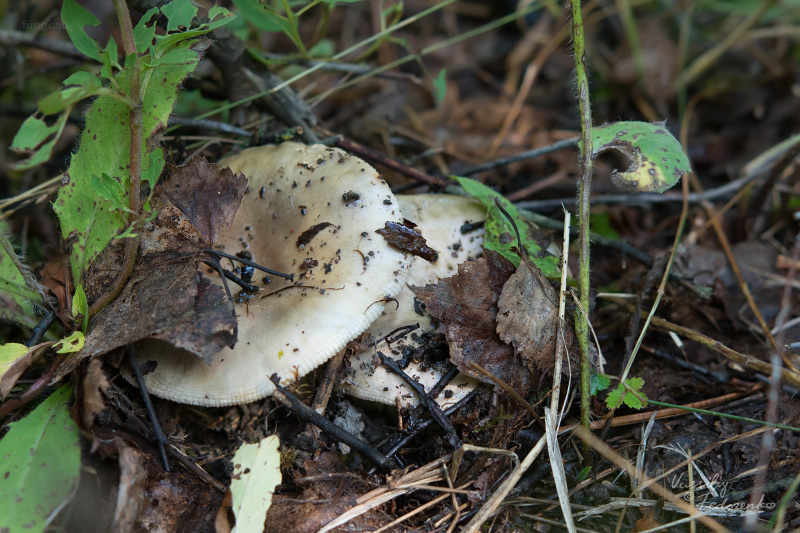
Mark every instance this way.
x=343 y=272
x=439 y=218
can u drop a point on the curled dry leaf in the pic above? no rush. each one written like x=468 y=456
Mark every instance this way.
x=527 y=317
x=165 y=298
x=132 y=486
x=207 y=195
x=466 y=307
x=93 y=388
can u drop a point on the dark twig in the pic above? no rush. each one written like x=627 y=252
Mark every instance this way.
x=424 y=424
x=530 y=154
x=158 y=435
x=306 y=413
x=224 y=272
x=206 y=124
x=290 y=277
x=196 y=469
x=63 y=48
x=40 y=329
x=437 y=389
x=433 y=407
x=729 y=188
x=383 y=159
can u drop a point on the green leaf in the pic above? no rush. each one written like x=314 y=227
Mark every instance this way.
x=145 y=30
x=500 y=235
x=86 y=218
x=657 y=160
x=40 y=465
x=36 y=140
x=584 y=473
x=626 y=395
x=75 y=18
x=179 y=14
x=256 y=473
x=71 y=344
x=110 y=59
x=9 y=354
x=20 y=293
x=80 y=307
x=90 y=208
x=261 y=16
x=341 y=1
x=110 y=189
x=440 y=85
x=599 y=382
x=614 y=399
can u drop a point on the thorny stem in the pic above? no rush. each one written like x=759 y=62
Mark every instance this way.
x=135 y=166
x=584 y=190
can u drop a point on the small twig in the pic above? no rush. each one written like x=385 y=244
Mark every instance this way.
x=224 y=272
x=40 y=329
x=158 y=434
x=12 y=38
x=206 y=124
x=290 y=277
x=748 y=361
x=424 y=424
x=530 y=154
x=196 y=469
x=433 y=407
x=307 y=414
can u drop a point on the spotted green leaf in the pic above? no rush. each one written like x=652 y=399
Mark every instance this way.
x=75 y=19
x=39 y=465
x=500 y=235
x=656 y=159
x=91 y=205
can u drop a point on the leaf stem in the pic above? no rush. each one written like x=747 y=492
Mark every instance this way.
x=584 y=191
x=135 y=166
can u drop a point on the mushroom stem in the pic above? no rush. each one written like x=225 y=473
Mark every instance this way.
x=290 y=277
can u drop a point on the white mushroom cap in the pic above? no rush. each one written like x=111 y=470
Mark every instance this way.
x=439 y=218
x=311 y=211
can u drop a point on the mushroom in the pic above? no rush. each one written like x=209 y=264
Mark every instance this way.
x=440 y=219
x=311 y=211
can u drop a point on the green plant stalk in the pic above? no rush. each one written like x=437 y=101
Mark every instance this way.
x=726 y=415
x=135 y=178
x=294 y=35
x=584 y=191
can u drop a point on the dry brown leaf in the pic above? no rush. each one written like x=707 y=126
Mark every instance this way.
x=166 y=297
x=207 y=195
x=94 y=387
x=132 y=485
x=466 y=307
x=527 y=317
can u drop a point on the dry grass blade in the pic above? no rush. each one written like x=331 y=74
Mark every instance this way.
x=406 y=483
x=606 y=451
